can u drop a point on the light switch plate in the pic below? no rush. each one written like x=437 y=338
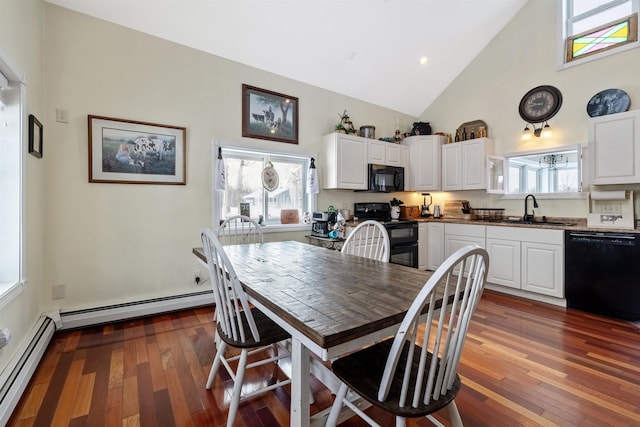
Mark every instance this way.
x=62 y=115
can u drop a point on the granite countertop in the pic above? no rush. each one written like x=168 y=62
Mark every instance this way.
x=562 y=223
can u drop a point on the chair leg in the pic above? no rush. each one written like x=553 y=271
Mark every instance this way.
x=337 y=406
x=216 y=363
x=237 y=388
x=456 y=421
x=401 y=422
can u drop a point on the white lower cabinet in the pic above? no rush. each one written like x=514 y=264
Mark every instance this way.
x=423 y=245
x=435 y=245
x=457 y=236
x=530 y=259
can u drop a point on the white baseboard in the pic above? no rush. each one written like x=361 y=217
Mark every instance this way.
x=17 y=374
x=117 y=312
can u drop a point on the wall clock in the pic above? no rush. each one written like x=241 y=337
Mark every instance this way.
x=540 y=104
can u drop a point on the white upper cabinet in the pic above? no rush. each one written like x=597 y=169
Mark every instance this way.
x=614 y=147
x=384 y=153
x=464 y=164
x=345 y=162
x=423 y=166
x=394 y=154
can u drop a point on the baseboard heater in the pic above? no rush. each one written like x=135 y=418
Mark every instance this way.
x=15 y=378
x=130 y=310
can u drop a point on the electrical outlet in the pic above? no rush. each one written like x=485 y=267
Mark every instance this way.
x=196 y=276
x=58 y=291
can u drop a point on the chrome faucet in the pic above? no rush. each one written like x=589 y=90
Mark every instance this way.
x=529 y=217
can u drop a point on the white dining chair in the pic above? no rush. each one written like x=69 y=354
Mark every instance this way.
x=241 y=326
x=239 y=229
x=369 y=240
x=410 y=379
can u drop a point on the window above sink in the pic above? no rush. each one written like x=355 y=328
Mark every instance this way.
x=553 y=173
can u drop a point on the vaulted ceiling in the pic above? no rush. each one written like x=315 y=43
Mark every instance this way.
x=366 y=49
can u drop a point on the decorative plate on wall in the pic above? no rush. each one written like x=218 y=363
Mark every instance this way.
x=608 y=101
x=270 y=177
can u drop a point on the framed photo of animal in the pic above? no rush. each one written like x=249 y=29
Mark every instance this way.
x=131 y=152
x=269 y=115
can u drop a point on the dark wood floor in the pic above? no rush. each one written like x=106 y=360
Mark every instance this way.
x=524 y=364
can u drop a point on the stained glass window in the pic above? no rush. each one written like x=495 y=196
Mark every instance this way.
x=602 y=38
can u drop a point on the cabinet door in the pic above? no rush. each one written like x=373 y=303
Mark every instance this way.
x=504 y=265
x=435 y=247
x=423 y=245
x=473 y=165
x=542 y=268
x=454 y=242
x=496 y=177
x=393 y=154
x=351 y=166
x=614 y=147
x=452 y=167
x=376 y=152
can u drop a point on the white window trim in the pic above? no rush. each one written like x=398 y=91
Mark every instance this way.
x=216 y=196
x=13 y=73
x=561 y=41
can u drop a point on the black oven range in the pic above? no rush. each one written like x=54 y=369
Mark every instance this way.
x=403 y=234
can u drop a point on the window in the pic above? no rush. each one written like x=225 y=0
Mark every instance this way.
x=556 y=171
x=594 y=27
x=10 y=184
x=245 y=190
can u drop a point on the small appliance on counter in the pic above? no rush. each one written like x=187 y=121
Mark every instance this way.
x=322 y=223
x=424 y=212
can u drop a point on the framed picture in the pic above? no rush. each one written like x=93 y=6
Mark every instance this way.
x=131 y=152
x=269 y=115
x=35 y=136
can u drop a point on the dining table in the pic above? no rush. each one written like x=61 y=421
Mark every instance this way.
x=331 y=304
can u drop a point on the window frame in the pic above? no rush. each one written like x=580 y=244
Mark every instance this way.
x=249 y=150
x=15 y=77
x=564 y=22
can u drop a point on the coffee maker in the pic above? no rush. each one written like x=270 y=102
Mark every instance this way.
x=424 y=210
x=322 y=223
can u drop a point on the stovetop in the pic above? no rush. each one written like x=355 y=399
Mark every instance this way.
x=378 y=212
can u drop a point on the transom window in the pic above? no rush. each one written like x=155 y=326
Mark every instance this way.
x=594 y=27
x=246 y=194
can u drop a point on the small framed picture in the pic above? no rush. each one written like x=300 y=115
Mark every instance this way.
x=130 y=152
x=35 y=136
x=269 y=115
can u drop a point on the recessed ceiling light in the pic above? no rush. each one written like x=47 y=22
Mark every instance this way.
x=423 y=60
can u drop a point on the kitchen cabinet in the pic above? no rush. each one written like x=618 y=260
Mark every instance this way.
x=457 y=236
x=530 y=259
x=423 y=245
x=384 y=153
x=345 y=162
x=435 y=245
x=464 y=164
x=614 y=147
x=423 y=165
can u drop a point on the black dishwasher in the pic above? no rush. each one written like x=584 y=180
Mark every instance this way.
x=602 y=273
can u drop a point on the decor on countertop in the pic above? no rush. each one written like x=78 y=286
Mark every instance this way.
x=395 y=207
x=312 y=178
x=421 y=128
x=220 y=180
x=538 y=106
x=608 y=101
x=269 y=115
x=345 y=125
x=270 y=178
x=35 y=136
x=131 y=152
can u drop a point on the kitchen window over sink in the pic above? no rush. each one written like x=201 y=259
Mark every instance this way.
x=246 y=191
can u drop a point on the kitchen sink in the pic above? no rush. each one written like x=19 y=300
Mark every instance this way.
x=538 y=222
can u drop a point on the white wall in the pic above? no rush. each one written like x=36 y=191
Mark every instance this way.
x=111 y=243
x=21 y=29
x=521 y=57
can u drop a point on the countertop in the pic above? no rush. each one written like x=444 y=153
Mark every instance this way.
x=578 y=224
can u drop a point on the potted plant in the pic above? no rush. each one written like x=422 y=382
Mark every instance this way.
x=395 y=207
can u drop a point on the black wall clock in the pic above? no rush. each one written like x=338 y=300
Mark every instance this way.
x=540 y=104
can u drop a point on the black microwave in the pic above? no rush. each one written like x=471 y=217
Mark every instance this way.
x=386 y=179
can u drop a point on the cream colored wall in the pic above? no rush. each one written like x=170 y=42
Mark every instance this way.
x=21 y=41
x=521 y=57
x=111 y=243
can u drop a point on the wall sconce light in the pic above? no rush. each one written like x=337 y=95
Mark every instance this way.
x=543 y=131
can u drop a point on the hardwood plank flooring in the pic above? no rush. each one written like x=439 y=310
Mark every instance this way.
x=524 y=364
